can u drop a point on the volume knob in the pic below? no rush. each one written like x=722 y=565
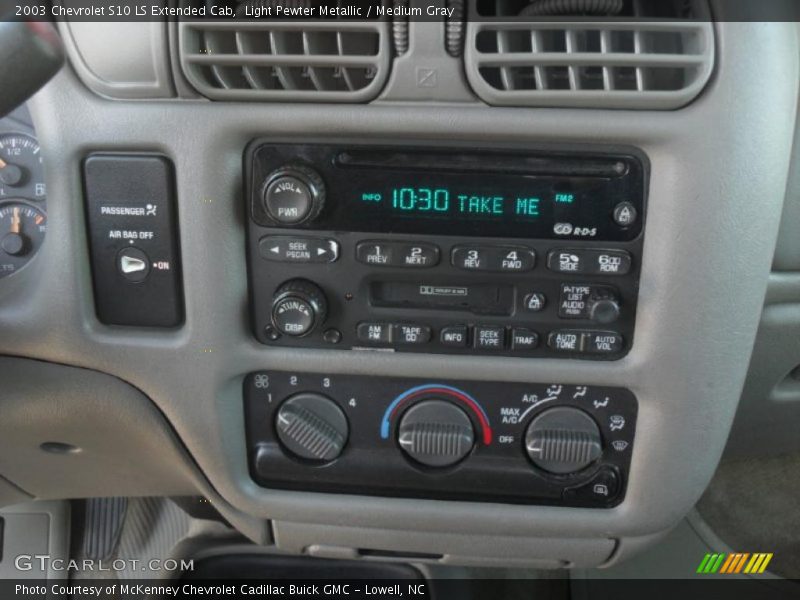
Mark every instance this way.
x=298 y=306
x=436 y=433
x=293 y=194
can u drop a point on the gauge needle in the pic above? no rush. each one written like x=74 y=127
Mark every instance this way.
x=15 y=221
x=2 y=164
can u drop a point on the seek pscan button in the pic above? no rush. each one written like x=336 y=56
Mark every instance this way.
x=295 y=249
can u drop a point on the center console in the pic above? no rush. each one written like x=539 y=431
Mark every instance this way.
x=447 y=251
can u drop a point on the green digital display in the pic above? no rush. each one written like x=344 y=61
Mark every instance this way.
x=444 y=201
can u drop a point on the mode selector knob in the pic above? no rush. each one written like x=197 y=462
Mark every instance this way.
x=293 y=194
x=298 y=306
x=312 y=426
x=563 y=440
x=436 y=433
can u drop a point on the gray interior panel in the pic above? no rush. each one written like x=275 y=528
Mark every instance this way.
x=701 y=294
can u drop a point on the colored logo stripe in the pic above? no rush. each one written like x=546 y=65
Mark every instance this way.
x=735 y=562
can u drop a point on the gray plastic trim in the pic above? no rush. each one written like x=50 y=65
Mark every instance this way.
x=121 y=60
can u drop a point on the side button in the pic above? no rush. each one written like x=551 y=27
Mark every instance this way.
x=600 y=489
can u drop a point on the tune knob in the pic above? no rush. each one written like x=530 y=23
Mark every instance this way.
x=563 y=440
x=312 y=426
x=603 y=306
x=436 y=433
x=298 y=306
x=293 y=194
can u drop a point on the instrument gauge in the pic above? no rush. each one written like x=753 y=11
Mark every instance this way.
x=21 y=168
x=22 y=229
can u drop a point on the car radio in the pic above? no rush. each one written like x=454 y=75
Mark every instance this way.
x=445 y=250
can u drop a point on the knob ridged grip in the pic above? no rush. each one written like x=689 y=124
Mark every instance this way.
x=312 y=426
x=563 y=440
x=436 y=433
x=293 y=194
x=298 y=306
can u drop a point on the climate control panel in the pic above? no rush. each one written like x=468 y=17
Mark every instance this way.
x=522 y=443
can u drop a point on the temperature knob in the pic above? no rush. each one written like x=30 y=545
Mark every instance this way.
x=298 y=307
x=436 y=433
x=293 y=194
x=312 y=426
x=563 y=440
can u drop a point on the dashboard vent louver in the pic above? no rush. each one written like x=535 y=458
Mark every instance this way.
x=330 y=61
x=636 y=60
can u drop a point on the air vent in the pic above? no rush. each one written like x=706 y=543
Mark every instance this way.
x=632 y=60
x=323 y=61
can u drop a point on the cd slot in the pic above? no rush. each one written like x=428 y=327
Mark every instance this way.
x=492 y=163
x=475 y=298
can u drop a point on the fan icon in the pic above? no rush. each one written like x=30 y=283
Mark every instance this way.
x=261 y=381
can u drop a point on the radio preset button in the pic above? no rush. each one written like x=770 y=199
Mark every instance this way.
x=411 y=334
x=397 y=254
x=281 y=248
x=488 y=337
x=566 y=261
x=374 y=333
x=503 y=259
x=419 y=256
x=524 y=339
x=454 y=336
x=608 y=262
x=589 y=262
x=374 y=253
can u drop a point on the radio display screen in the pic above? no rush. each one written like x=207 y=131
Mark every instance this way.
x=513 y=195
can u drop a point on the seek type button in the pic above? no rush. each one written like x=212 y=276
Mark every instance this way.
x=490 y=338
